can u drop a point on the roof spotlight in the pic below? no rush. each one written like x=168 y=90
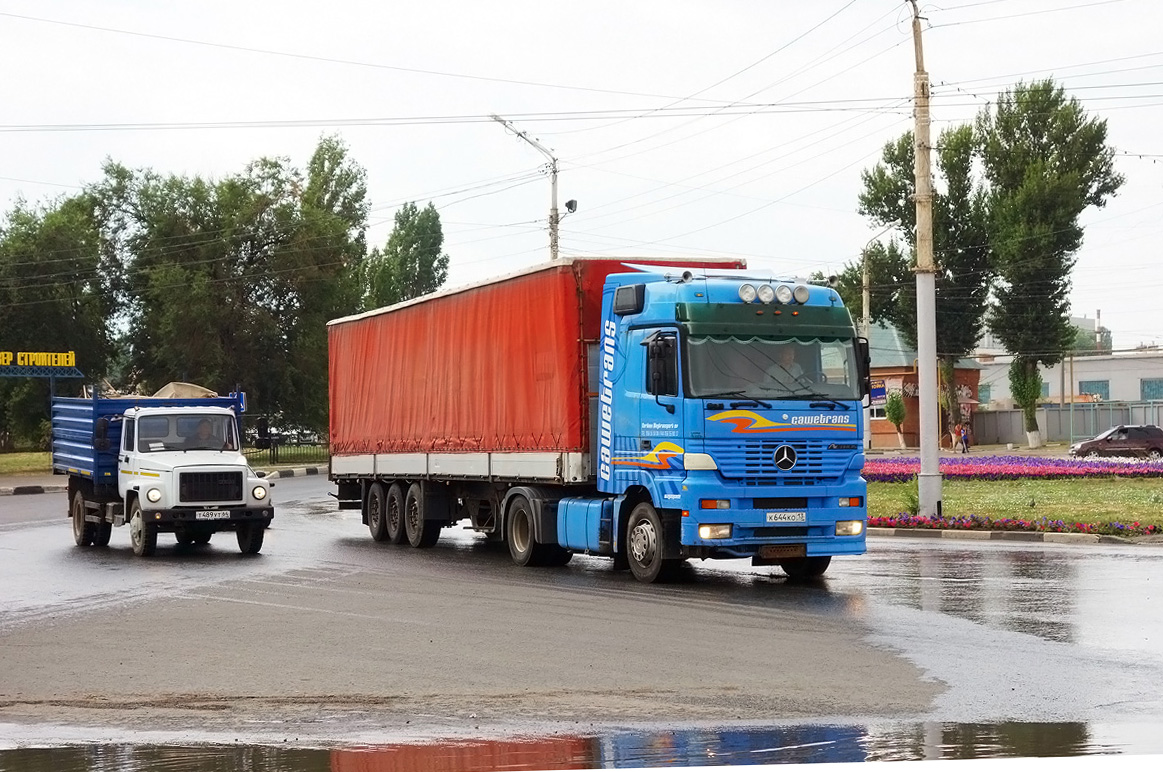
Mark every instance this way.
x=801 y=294
x=783 y=293
x=766 y=293
x=747 y=293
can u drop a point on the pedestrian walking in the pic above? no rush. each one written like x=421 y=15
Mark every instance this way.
x=964 y=429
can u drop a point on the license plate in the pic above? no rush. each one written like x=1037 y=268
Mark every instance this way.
x=212 y=514
x=787 y=517
x=783 y=551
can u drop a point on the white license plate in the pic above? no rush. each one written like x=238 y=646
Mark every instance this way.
x=787 y=517
x=212 y=514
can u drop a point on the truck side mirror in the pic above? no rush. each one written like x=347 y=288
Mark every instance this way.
x=660 y=369
x=864 y=366
x=101 y=434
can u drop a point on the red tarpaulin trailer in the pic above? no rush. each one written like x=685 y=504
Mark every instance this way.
x=495 y=367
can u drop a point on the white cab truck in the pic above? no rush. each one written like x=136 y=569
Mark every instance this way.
x=160 y=465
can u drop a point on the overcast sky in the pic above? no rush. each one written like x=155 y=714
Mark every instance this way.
x=683 y=127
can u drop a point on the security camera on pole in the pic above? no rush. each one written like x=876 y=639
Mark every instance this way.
x=929 y=479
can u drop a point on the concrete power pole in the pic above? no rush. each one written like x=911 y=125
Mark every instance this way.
x=554 y=218
x=929 y=480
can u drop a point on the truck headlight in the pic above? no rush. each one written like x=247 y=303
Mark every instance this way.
x=259 y=492
x=154 y=495
x=849 y=527
x=716 y=531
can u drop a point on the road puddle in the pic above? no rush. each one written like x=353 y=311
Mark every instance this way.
x=616 y=749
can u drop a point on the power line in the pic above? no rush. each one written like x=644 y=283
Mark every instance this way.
x=326 y=59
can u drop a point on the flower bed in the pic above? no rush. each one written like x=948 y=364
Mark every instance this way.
x=979 y=523
x=886 y=469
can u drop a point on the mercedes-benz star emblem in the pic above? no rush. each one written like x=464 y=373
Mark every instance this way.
x=785 y=457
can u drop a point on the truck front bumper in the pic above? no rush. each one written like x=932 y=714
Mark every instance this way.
x=207 y=519
x=773 y=522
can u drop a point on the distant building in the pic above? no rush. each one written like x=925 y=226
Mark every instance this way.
x=895 y=363
x=1133 y=376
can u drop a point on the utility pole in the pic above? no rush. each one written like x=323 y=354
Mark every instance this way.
x=554 y=219
x=929 y=480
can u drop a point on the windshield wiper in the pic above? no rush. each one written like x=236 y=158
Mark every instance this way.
x=826 y=400
x=747 y=399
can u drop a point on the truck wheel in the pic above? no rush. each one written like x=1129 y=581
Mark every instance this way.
x=103 y=533
x=250 y=538
x=394 y=520
x=644 y=545
x=142 y=535
x=83 y=532
x=519 y=533
x=202 y=538
x=376 y=520
x=184 y=538
x=806 y=568
x=421 y=533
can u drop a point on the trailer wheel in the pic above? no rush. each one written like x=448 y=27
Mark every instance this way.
x=376 y=521
x=421 y=533
x=806 y=568
x=394 y=520
x=519 y=533
x=250 y=537
x=142 y=535
x=83 y=532
x=644 y=545
x=103 y=533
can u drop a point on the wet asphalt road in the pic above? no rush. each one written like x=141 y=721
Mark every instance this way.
x=924 y=630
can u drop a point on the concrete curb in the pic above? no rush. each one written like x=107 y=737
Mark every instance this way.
x=302 y=471
x=23 y=490
x=1016 y=536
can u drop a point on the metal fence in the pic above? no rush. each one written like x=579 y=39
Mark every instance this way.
x=280 y=453
x=1063 y=423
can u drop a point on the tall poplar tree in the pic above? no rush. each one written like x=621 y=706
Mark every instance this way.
x=1045 y=162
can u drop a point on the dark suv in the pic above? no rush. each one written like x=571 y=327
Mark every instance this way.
x=1140 y=440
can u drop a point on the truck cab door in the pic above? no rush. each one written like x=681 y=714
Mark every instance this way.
x=652 y=380
x=126 y=455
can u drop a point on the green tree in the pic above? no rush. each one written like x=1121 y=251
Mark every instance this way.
x=960 y=248
x=1046 y=162
x=411 y=264
x=230 y=282
x=53 y=297
x=894 y=411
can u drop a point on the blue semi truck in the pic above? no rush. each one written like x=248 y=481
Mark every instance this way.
x=160 y=465
x=652 y=414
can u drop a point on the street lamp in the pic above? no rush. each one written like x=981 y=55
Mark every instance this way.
x=866 y=319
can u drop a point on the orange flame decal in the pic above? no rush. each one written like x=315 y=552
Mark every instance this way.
x=659 y=458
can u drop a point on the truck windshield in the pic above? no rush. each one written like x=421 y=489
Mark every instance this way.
x=769 y=368
x=186 y=431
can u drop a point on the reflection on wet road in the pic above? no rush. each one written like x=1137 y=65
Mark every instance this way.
x=737 y=746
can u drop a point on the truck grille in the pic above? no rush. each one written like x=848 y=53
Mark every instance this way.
x=210 y=486
x=753 y=461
